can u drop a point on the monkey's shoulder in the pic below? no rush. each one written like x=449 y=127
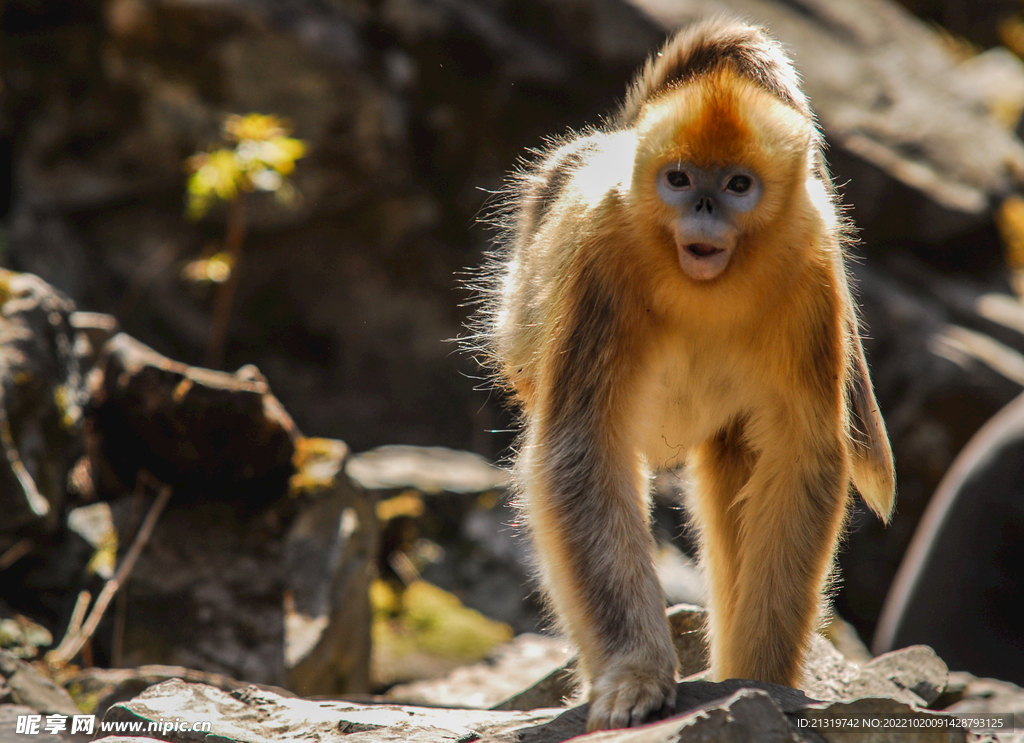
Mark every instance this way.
x=572 y=176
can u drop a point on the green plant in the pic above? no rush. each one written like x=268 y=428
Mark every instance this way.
x=261 y=157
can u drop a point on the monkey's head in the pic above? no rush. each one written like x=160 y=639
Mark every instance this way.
x=717 y=161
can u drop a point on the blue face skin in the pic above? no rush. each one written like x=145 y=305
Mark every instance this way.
x=707 y=201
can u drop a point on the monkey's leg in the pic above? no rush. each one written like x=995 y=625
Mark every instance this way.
x=720 y=469
x=792 y=510
x=586 y=506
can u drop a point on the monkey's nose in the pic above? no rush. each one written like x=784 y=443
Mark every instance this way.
x=705 y=204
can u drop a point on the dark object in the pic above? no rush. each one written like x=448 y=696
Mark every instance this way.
x=187 y=425
x=961 y=584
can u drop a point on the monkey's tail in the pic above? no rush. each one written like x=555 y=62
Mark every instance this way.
x=872 y=465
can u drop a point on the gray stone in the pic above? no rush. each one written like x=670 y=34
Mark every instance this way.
x=917 y=669
x=41 y=394
x=31 y=689
x=113 y=685
x=682 y=580
x=551 y=691
x=9 y=714
x=983 y=697
x=511 y=668
x=431 y=469
x=254 y=716
x=914 y=676
x=330 y=553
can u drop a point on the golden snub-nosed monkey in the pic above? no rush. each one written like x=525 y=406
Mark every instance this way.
x=670 y=287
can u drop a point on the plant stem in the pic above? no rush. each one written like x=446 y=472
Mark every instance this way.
x=226 y=293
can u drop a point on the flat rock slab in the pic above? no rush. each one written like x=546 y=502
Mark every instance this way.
x=429 y=469
x=734 y=710
x=512 y=667
x=256 y=716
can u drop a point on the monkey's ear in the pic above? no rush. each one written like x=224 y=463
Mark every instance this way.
x=871 y=455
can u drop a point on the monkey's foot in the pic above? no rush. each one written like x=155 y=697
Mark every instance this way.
x=626 y=696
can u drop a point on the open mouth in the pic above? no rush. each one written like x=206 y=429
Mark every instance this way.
x=702 y=250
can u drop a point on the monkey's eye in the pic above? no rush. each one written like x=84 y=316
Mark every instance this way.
x=677 y=179
x=739 y=184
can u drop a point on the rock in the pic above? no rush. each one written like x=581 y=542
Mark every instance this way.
x=982 y=696
x=94 y=330
x=687 y=623
x=693 y=698
x=968 y=544
x=331 y=553
x=936 y=386
x=9 y=714
x=446 y=515
x=31 y=689
x=108 y=686
x=264 y=556
x=555 y=689
x=510 y=668
x=40 y=407
x=827 y=674
x=917 y=669
x=422 y=631
x=254 y=716
x=845 y=639
x=181 y=423
x=410 y=108
x=914 y=676
x=273 y=589
x=22 y=638
x=734 y=710
x=426 y=469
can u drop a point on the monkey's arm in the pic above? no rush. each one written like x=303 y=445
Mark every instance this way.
x=584 y=493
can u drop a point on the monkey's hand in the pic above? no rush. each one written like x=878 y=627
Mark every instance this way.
x=626 y=694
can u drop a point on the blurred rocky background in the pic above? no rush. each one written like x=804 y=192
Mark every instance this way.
x=347 y=301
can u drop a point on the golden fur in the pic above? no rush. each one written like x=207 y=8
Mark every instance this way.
x=623 y=362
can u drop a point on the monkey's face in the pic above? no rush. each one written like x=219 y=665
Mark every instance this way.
x=707 y=203
x=716 y=162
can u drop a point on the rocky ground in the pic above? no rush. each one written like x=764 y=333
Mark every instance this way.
x=907 y=695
